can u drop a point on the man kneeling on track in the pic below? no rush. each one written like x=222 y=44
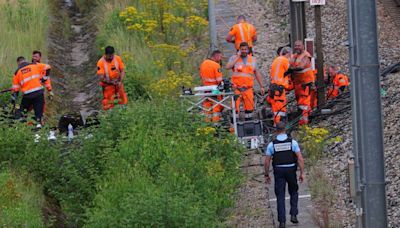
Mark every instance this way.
x=337 y=82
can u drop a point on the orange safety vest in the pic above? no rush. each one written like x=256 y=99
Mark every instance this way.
x=28 y=79
x=47 y=82
x=278 y=69
x=243 y=32
x=210 y=72
x=243 y=73
x=110 y=72
x=307 y=74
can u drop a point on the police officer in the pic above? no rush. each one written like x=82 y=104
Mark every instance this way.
x=286 y=156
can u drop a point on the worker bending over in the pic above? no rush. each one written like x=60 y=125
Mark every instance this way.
x=280 y=83
x=242 y=32
x=303 y=79
x=111 y=71
x=28 y=79
x=211 y=74
x=244 y=69
x=337 y=82
x=286 y=157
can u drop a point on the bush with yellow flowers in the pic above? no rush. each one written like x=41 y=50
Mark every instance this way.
x=165 y=20
x=314 y=140
x=171 y=85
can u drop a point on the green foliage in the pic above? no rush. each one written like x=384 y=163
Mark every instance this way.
x=170 y=174
x=20 y=201
x=24 y=26
x=151 y=164
x=324 y=198
x=314 y=141
x=154 y=38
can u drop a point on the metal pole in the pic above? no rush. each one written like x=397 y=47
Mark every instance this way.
x=367 y=101
x=355 y=109
x=297 y=22
x=320 y=57
x=212 y=25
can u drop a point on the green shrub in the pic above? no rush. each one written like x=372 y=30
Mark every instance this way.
x=155 y=38
x=20 y=201
x=168 y=171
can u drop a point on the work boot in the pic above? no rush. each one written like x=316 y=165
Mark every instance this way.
x=293 y=219
x=282 y=225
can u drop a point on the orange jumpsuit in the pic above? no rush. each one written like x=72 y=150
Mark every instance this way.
x=243 y=32
x=339 y=81
x=110 y=75
x=303 y=81
x=243 y=82
x=210 y=73
x=280 y=83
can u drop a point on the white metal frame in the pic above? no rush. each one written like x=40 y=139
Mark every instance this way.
x=196 y=101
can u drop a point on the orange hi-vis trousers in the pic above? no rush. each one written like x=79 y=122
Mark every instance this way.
x=278 y=105
x=246 y=95
x=213 y=114
x=303 y=97
x=112 y=92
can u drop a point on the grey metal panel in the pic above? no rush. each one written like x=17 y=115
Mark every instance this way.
x=297 y=22
x=367 y=119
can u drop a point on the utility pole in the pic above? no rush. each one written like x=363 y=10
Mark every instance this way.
x=320 y=56
x=212 y=25
x=297 y=21
x=367 y=118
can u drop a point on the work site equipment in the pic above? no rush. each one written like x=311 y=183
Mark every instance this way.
x=249 y=132
x=208 y=93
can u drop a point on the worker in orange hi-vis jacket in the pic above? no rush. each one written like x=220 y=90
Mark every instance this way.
x=211 y=74
x=28 y=79
x=280 y=84
x=111 y=71
x=244 y=71
x=337 y=82
x=303 y=77
x=242 y=32
x=37 y=59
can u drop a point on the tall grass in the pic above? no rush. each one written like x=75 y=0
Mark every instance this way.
x=23 y=26
x=20 y=201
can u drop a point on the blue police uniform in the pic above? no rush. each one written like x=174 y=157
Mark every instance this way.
x=284 y=161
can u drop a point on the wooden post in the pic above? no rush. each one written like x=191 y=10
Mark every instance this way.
x=320 y=57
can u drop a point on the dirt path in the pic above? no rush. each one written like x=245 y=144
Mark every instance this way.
x=72 y=54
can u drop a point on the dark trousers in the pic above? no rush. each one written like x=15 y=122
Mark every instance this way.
x=283 y=176
x=35 y=100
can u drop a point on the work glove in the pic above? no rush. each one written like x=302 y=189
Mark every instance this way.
x=51 y=95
